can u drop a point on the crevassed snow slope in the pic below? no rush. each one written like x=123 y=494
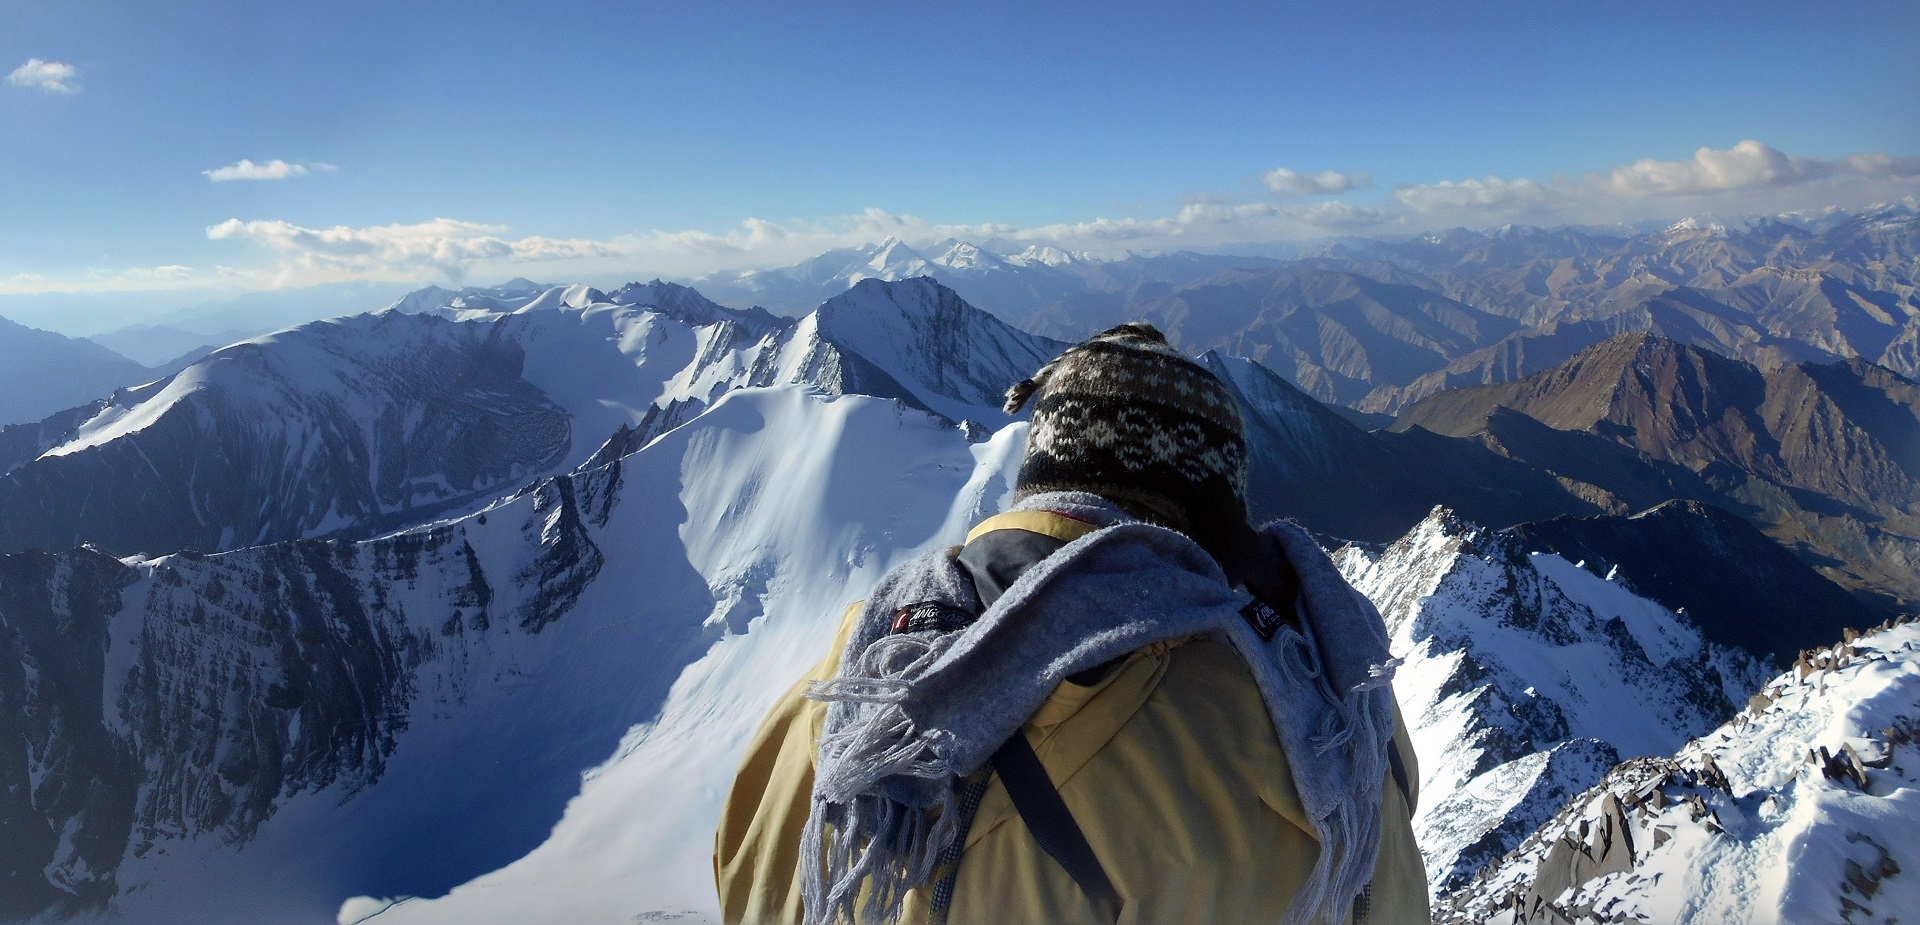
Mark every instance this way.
x=1526 y=679
x=1802 y=810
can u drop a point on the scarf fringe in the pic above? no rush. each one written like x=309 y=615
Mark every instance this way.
x=883 y=810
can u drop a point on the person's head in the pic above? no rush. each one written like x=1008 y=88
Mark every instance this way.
x=1125 y=416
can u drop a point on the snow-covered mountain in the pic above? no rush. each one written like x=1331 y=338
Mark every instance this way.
x=505 y=297
x=1010 y=285
x=258 y=735
x=1526 y=679
x=364 y=424
x=532 y=708
x=1801 y=810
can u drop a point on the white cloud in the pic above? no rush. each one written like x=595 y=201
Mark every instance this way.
x=1749 y=178
x=443 y=244
x=168 y=273
x=46 y=76
x=1218 y=212
x=1490 y=194
x=1325 y=183
x=275 y=169
x=1748 y=165
x=1339 y=216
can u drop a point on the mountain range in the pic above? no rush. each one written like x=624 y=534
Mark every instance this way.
x=1379 y=324
x=272 y=732
x=479 y=598
x=1823 y=457
x=364 y=424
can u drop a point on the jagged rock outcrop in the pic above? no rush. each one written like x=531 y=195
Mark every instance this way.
x=1738 y=587
x=1794 y=811
x=1526 y=680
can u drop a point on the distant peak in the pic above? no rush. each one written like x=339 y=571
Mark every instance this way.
x=913 y=297
x=1695 y=223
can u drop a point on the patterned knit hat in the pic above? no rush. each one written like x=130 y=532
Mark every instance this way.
x=1125 y=416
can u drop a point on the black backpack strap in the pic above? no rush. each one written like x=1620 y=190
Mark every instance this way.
x=1399 y=768
x=1051 y=823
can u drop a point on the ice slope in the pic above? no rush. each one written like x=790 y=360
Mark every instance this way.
x=314 y=721
x=1526 y=679
x=636 y=844
x=1800 y=811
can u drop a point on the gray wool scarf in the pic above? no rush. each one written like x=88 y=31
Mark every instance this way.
x=909 y=715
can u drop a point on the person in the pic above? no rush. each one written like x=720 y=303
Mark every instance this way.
x=1117 y=702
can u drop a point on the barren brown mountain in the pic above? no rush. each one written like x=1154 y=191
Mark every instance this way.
x=1825 y=458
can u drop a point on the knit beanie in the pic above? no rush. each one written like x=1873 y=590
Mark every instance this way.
x=1125 y=416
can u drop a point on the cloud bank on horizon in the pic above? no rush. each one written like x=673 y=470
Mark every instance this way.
x=1750 y=178
x=684 y=140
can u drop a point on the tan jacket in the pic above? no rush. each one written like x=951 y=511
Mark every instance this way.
x=1170 y=766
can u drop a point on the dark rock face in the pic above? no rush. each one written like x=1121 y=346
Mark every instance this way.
x=1739 y=587
x=67 y=781
x=1820 y=457
x=189 y=697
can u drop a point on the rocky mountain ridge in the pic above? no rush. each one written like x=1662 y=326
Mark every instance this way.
x=1822 y=457
x=1798 y=810
x=1379 y=324
x=365 y=424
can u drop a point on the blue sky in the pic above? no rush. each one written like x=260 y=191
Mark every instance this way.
x=577 y=140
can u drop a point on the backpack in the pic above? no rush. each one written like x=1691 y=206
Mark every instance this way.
x=994 y=556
